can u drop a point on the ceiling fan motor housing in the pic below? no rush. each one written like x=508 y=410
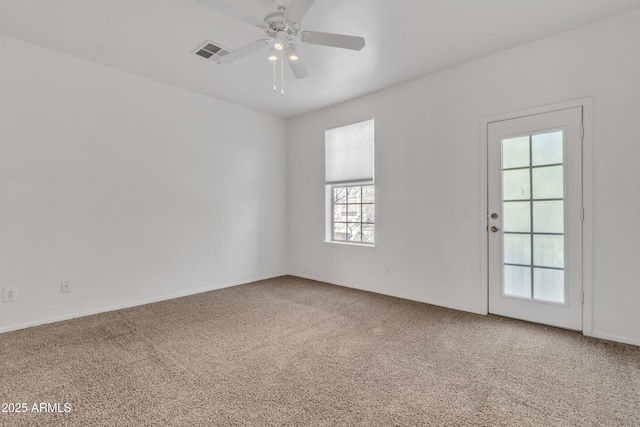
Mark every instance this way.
x=276 y=23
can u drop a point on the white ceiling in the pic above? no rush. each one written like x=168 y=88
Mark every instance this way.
x=405 y=39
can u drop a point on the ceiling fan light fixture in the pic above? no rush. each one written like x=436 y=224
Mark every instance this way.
x=293 y=52
x=281 y=40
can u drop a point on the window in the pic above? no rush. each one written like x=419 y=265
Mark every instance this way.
x=349 y=154
x=353 y=213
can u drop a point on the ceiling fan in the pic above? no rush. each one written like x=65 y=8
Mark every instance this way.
x=282 y=28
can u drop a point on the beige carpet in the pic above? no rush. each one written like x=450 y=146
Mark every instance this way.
x=290 y=351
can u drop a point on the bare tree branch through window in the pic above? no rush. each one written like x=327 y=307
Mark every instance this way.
x=354 y=213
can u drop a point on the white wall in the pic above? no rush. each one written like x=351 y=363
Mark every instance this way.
x=428 y=170
x=130 y=189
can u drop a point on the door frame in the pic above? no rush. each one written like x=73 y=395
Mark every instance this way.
x=587 y=201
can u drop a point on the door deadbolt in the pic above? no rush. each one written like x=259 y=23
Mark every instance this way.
x=494 y=215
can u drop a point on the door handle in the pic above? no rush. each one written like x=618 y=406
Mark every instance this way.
x=494 y=229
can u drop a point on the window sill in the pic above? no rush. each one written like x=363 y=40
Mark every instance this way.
x=346 y=245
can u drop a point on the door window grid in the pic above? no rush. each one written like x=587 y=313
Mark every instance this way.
x=525 y=279
x=353 y=213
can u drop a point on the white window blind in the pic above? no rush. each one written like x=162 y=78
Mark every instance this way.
x=349 y=153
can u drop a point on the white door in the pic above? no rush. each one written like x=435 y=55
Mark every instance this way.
x=535 y=218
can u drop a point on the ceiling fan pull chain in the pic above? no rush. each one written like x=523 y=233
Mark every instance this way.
x=282 y=77
x=274 y=75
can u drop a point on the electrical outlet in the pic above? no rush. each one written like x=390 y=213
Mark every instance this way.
x=65 y=286
x=9 y=295
x=260 y=259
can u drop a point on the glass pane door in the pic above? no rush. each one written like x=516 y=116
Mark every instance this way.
x=533 y=216
x=534 y=219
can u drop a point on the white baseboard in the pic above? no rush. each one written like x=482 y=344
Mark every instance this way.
x=616 y=338
x=133 y=304
x=393 y=294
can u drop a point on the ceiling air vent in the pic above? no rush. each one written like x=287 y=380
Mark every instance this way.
x=210 y=50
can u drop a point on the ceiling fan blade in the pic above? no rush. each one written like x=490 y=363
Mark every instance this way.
x=330 y=39
x=298 y=68
x=244 y=50
x=232 y=11
x=297 y=9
